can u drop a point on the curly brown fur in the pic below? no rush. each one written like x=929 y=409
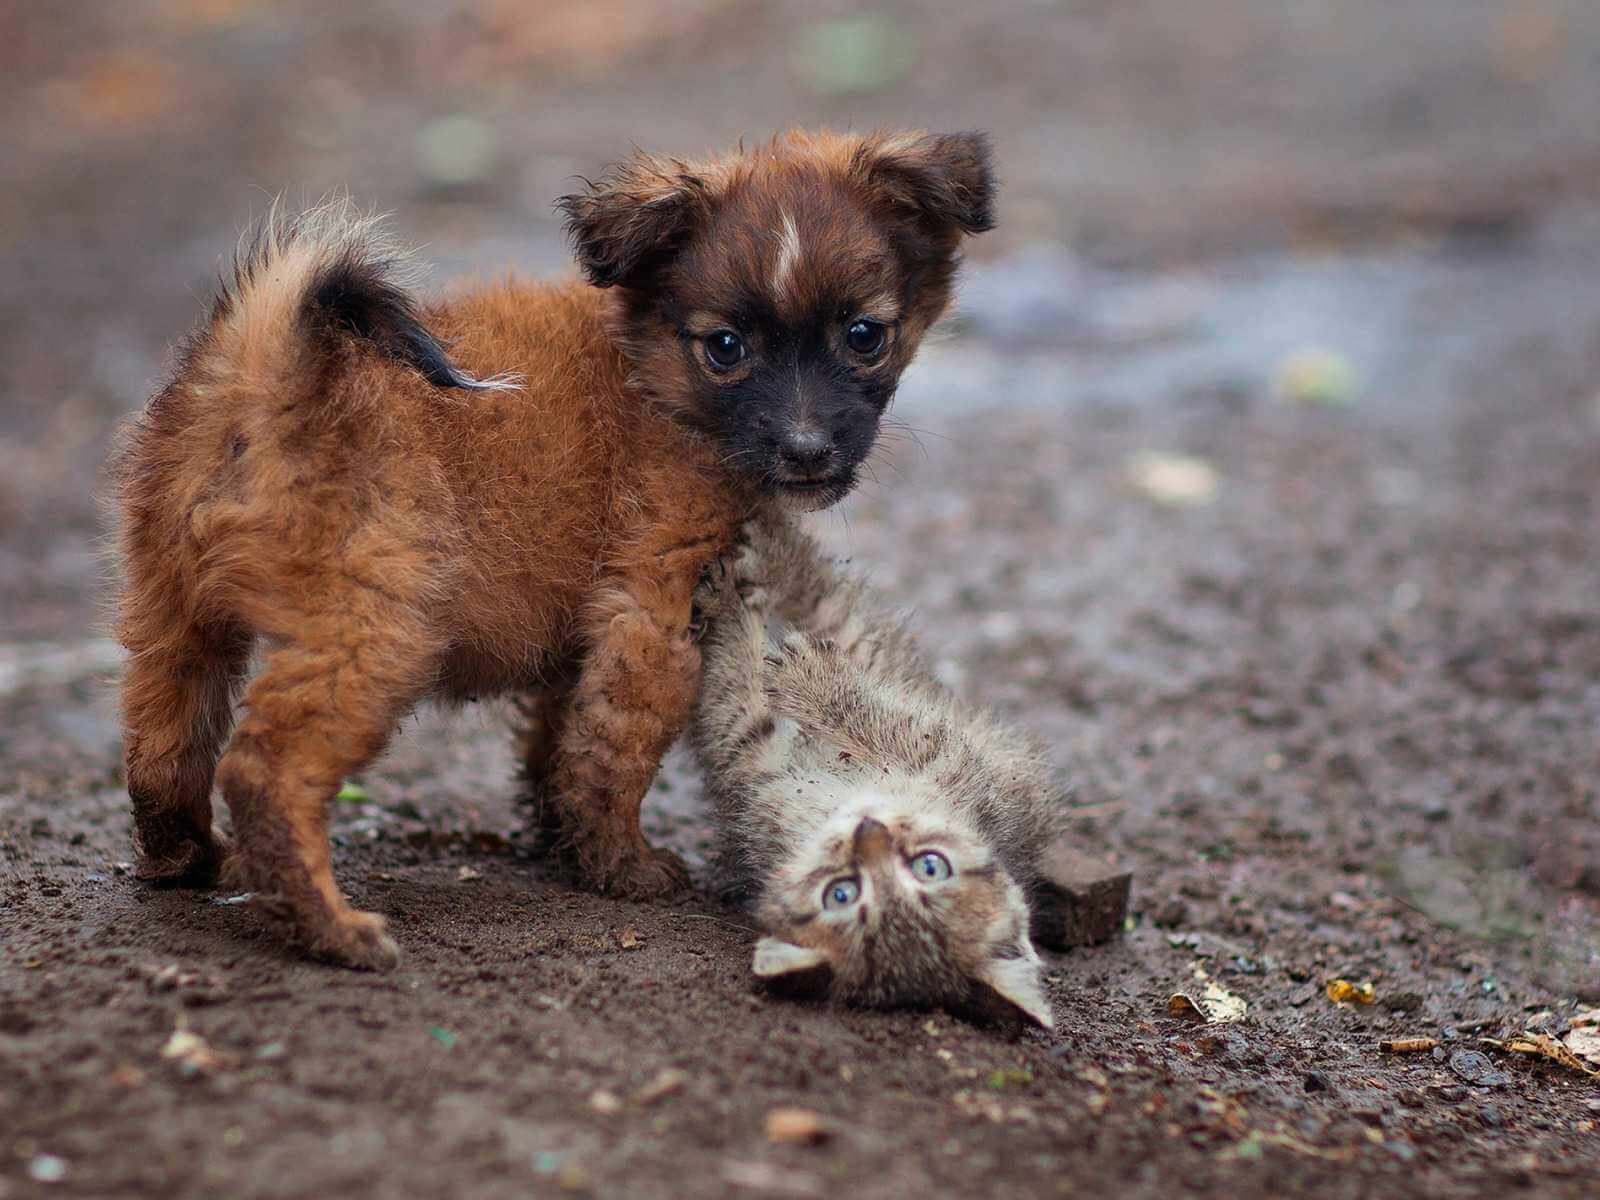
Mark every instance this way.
x=835 y=761
x=515 y=489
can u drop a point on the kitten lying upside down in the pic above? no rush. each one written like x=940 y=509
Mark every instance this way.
x=890 y=835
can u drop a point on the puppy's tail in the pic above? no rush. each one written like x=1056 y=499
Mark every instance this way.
x=303 y=288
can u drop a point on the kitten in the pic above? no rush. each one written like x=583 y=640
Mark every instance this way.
x=888 y=834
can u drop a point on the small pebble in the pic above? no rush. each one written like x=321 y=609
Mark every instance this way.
x=1316 y=1081
x=47 y=1168
x=1474 y=1067
x=1171 y=915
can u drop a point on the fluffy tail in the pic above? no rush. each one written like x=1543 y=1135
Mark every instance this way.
x=306 y=284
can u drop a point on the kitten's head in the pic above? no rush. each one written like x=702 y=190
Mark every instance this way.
x=771 y=297
x=898 y=901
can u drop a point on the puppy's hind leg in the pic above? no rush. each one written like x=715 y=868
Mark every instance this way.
x=322 y=708
x=177 y=705
x=541 y=713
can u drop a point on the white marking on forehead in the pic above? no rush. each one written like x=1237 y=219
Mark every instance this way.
x=788 y=255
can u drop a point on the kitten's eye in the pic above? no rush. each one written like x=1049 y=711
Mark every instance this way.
x=841 y=893
x=724 y=349
x=864 y=337
x=930 y=867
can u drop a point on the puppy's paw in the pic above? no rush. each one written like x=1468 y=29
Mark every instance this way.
x=354 y=939
x=715 y=597
x=186 y=862
x=652 y=874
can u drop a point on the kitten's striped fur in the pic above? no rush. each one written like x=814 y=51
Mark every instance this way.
x=832 y=754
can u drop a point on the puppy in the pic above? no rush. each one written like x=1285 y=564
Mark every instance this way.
x=514 y=489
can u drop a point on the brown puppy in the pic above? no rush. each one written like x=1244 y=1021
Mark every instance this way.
x=321 y=477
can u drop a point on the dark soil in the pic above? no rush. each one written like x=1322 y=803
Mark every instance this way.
x=1340 y=717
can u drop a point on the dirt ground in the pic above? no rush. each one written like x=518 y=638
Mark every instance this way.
x=1330 y=686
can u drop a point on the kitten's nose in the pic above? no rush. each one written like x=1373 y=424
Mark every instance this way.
x=871 y=841
x=805 y=449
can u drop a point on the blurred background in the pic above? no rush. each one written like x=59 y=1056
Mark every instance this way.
x=1265 y=432
x=140 y=138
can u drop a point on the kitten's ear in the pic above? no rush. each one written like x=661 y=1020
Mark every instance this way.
x=632 y=217
x=791 y=970
x=1011 y=988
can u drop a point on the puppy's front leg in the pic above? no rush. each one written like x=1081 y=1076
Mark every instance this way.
x=633 y=697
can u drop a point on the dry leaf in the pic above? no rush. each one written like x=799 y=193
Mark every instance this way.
x=1342 y=991
x=1216 y=1005
x=1316 y=375
x=1583 y=1039
x=628 y=939
x=1585 y=1043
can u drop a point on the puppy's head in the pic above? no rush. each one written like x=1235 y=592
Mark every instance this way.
x=772 y=298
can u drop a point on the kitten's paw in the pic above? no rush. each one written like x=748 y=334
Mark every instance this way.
x=749 y=571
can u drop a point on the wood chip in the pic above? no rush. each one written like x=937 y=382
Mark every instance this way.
x=191 y=1053
x=1544 y=1046
x=797 y=1126
x=663 y=1085
x=1083 y=900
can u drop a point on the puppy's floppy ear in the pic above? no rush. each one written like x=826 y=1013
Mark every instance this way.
x=1009 y=988
x=632 y=217
x=789 y=970
x=946 y=179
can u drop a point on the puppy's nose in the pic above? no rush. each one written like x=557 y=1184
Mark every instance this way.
x=872 y=840
x=805 y=449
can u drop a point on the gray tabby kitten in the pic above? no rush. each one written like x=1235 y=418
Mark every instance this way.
x=889 y=834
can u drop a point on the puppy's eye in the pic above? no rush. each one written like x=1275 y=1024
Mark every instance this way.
x=864 y=337
x=841 y=893
x=930 y=867
x=724 y=349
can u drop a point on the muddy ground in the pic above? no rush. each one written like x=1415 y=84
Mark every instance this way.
x=1338 y=712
